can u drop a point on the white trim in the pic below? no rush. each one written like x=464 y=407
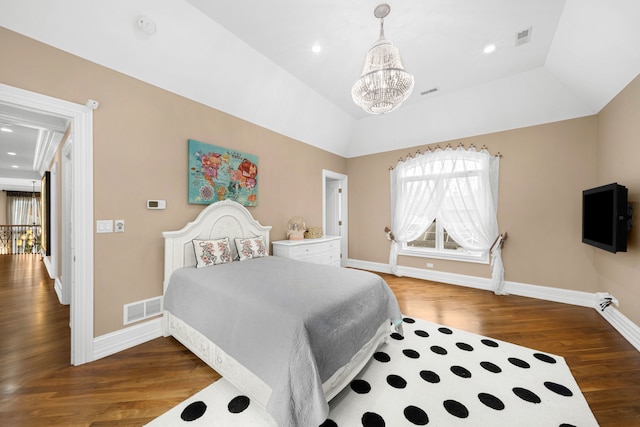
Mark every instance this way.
x=344 y=229
x=122 y=339
x=82 y=210
x=629 y=330
x=57 y=286
x=626 y=327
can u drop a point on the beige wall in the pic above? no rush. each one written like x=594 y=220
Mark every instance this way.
x=140 y=153
x=539 y=205
x=618 y=159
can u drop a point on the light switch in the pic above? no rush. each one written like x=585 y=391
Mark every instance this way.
x=119 y=225
x=104 y=226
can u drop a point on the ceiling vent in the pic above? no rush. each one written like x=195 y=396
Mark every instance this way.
x=523 y=37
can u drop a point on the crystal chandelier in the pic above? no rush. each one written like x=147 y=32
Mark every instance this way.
x=384 y=84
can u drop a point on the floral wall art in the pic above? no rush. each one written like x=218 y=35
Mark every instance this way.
x=218 y=173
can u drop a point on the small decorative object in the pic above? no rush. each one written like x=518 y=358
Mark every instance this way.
x=218 y=173
x=296 y=228
x=313 y=233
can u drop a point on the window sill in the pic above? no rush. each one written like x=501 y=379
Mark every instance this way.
x=452 y=255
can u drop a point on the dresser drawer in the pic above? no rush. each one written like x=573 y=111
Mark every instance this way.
x=321 y=251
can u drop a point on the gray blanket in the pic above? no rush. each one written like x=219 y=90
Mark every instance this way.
x=291 y=323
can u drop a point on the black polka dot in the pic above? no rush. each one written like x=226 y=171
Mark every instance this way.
x=544 y=358
x=566 y=425
x=397 y=336
x=558 y=388
x=491 y=367
x=461 y=371
x=193 y=411
x=438 y=350
x=421 y=333
x=430 y=377
x=416 y=416
x=464 y=346
x=381 y=356
x=519 y=363
x=445 y=331
x=238 y=404
x=411 y=354
x=396 y=381
x=489 y=343
x=527 y=395
x=456 y=409
x=371 y=419
x=360 y=386
x=491 y=401
x=329 y=423
x=408 y=320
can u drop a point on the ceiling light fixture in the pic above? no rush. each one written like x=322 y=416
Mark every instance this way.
x=489 y=48
x=5 y=129
x=316 y=48
x=11 y=153
x=384 y=84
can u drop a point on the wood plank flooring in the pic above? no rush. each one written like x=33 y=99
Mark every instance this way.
x=38 y=387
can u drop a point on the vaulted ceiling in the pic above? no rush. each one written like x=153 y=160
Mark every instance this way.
x=254 y=59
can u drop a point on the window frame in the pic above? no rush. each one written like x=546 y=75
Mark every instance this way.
x=439 y=252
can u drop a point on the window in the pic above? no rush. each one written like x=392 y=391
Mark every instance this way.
x=444 y=205
x=436 y=242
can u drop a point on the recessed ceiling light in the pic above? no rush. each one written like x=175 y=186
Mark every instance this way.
x=4 y=129
x=316 y=48
x=15 y=166
x=489 y=48
x=11 y=153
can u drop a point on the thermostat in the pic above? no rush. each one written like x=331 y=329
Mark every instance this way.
x=156 y=204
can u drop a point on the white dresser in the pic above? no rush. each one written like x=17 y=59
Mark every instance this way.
x=324 y=250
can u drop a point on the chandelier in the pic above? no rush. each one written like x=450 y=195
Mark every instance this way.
x=384 y=84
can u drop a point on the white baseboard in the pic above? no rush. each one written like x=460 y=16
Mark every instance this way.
x=626 y=327
x=114 y=342
x=57 y=285
x=47 y=263
x=619 y=321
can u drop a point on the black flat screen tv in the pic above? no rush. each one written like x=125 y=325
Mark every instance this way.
x=605 y=217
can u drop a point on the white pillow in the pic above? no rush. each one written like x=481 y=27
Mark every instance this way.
x=212 y=252
x=252 y=247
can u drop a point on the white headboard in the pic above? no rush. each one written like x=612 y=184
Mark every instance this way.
x=218 y=220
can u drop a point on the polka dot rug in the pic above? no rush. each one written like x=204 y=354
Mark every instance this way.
x=433 y=375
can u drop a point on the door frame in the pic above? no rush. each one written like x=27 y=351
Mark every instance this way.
x=328 y=176
x=81 y=119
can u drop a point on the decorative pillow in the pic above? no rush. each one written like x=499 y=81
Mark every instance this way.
x=212 y=252
x=252 y=247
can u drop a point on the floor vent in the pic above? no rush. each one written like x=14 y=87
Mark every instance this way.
x=141 y=310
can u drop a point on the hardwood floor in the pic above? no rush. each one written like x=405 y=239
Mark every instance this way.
x=38 y=387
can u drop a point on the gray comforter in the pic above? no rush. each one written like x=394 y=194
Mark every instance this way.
x=291 y=323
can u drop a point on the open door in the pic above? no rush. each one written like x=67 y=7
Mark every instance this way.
x=335 y=210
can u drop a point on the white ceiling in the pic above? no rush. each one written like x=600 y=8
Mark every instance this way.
x=253 y=59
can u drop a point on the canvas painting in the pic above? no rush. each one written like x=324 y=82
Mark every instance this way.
x=218 y=173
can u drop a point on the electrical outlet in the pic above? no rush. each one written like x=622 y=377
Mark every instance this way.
x=119 y=223
x=429 y=265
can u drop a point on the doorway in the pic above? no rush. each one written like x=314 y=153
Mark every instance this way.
x=81 y=213
x=335 y=212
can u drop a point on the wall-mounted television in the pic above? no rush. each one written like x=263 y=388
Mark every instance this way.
x=606 y=217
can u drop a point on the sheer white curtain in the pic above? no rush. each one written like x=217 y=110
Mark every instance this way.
x=23 y=210
x=457 y=186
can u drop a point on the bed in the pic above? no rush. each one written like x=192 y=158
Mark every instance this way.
x=288 y=334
